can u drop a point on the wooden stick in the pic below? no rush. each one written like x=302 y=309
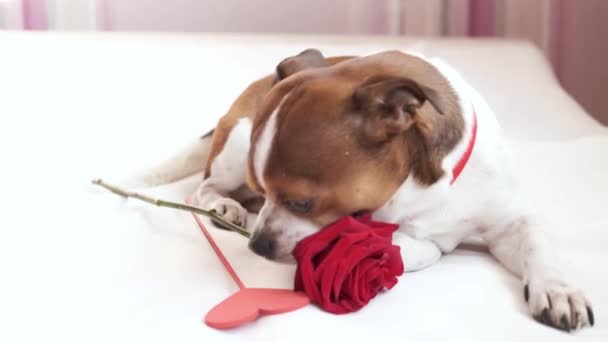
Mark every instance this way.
x=211 y=214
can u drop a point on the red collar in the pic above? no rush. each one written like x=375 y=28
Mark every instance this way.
x=467 y=154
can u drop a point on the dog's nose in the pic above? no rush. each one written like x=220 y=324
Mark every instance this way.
x=263 y=244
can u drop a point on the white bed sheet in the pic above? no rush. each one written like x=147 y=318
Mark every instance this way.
x=79 y=263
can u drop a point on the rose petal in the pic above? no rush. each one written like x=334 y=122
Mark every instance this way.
x=312 y=245
x=355 y=255
x=326 y=271
x=319 y=241
x=389 y=281
x=305 y=282
x=347 y=294
x=373 y=277
x=345 y=262
x=354 y=291
x=367 y=266
x=395 y=261
x=381 y=228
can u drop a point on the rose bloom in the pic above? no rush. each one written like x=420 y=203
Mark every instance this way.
x=346 y=264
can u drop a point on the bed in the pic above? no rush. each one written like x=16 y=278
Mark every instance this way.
x=81 y=264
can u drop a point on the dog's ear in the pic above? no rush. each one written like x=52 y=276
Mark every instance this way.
x=390 y=106
x=310 y=58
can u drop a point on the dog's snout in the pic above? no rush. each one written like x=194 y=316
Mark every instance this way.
x=264 y=245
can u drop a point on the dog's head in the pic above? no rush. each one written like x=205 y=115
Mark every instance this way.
x=340 y=135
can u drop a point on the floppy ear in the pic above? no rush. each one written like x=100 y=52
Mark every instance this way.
x=390 y=106
x=310 y=58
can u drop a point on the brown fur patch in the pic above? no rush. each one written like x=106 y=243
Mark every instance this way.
x=270 y=103
x=246 y=105
x=318 y=151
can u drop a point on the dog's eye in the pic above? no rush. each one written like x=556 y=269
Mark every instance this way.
x=299 y=206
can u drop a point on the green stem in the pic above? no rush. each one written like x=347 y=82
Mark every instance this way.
x=211 y=214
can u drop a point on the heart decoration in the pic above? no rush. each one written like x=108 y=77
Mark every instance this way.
x=248 y=304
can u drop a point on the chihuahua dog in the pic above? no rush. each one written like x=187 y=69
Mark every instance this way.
x=396 y=134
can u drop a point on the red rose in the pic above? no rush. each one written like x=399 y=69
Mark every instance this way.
x=343 y=266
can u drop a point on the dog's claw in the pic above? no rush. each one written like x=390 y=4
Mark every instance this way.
x=565 y=323
x=544 y=317
x=558 y=305
x=590 y=316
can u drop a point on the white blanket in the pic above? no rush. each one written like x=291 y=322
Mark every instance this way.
x=79 y=263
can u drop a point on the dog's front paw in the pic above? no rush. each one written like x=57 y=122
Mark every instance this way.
x=230 y=210
x=416 y=254
x=556 y=304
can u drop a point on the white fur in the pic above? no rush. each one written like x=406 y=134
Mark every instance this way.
x=262 y=148
x=447 y=214
x=227 y=174
x=417 y=254
x=190 y=160
x=228 y=167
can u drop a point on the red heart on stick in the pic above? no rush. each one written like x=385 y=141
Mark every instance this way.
x=250 y=303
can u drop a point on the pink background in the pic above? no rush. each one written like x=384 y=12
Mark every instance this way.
x=571 y=33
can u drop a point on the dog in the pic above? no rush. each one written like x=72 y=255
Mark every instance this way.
x=397 y=134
